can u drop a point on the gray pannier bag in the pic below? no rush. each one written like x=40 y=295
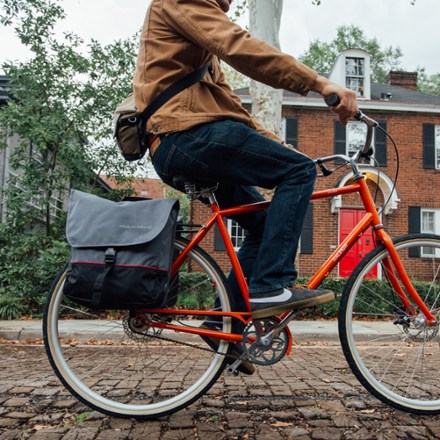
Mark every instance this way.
x=121 y=252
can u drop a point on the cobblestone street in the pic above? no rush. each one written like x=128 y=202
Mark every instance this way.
x=310 y=395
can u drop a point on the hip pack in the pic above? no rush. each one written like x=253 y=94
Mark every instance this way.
x=121 y=252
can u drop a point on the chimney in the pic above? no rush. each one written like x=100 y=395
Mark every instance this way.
x=407 y=80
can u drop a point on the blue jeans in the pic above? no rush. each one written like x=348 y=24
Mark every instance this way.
x=239 y=158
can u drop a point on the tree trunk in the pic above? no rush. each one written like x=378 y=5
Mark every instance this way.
x=264 y=23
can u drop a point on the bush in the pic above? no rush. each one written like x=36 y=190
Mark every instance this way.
x=378 y=292
x=10 y=307
x=28 y=265
x=195 y=291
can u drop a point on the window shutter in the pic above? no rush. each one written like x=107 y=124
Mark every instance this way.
x=380 y=144
x=428 y=146
x=414 y=226
x=307 y=232
x=340 y=140
x=292 y=130
x=219 y=244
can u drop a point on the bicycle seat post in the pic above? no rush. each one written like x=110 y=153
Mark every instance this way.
x=208 y=193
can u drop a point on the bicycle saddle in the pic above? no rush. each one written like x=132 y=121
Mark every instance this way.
x=181 y=181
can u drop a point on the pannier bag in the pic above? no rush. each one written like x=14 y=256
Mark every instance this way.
x=121 y=252
x=130 y=124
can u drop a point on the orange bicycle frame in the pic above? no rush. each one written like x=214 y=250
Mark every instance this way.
x=371 y=218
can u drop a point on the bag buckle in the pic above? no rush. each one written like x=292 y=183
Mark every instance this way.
x=110 y=256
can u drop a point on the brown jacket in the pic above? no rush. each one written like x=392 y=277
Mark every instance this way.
x=178 y=37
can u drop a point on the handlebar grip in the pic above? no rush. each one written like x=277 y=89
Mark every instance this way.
x=332 y=100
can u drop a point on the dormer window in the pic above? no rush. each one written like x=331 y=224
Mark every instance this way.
x=352 y=69
x=354 y=75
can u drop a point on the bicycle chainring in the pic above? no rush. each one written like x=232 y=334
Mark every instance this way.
x=262 y=354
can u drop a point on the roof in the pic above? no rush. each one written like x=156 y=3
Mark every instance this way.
x=400 y=94
x=148 y=188
x=379 y=93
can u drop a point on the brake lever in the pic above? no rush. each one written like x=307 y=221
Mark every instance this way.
x=366 y=119
x=325 y=171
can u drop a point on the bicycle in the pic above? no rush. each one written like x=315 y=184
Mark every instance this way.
x=149 y=363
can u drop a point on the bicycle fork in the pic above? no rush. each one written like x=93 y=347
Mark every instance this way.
x=397 y=266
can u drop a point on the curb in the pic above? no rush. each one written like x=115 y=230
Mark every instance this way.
x=302 y=331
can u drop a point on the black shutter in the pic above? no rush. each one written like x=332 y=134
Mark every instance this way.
x=414 y=227
x=219 y=244
x=307 y=232
x=292 y=130
x=428 y=146
x=340 y=140
x=380 y=144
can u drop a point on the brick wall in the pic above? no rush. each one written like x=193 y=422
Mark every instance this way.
x=416 y=186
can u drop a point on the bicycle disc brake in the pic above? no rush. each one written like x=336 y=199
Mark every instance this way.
x=265 y=351
x=417 y=328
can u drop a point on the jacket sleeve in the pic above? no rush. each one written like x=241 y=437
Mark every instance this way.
x=253 y=121
x=203 y=23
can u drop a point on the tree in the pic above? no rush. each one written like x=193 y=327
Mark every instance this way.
x=429 y=84
x=62 y=107
x=321 y=56
x=264 y=23
x=61 y=113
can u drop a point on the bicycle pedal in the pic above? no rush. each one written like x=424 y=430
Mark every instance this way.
x=232 y=369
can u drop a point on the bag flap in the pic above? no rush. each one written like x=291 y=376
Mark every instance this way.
x=96 y=222
x=125 y=107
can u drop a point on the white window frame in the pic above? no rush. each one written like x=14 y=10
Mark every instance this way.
x=430 y=226
x=437 y=146
x=356 y=133
x=359 y=64
x=236 y=232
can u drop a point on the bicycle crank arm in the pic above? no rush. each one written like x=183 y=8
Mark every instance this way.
x=266 y=340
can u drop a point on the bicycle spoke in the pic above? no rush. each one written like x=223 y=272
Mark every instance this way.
x=397 y=361
x=131 y=366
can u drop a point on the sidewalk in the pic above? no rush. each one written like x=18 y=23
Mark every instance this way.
x=86 y=329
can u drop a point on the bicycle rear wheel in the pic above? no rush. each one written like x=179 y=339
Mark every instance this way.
x=117 y=367
x=393 y=353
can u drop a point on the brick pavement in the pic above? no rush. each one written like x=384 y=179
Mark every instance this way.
x=309 y=395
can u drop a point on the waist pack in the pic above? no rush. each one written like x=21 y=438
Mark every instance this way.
x=130 y=124
x=121 y=252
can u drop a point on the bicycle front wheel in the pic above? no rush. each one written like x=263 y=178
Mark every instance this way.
x=116 y=366
x=394 y=352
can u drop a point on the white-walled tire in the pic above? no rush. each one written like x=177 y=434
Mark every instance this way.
x=124 y=374
x=394 y=354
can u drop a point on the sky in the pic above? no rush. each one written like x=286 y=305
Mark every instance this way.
x=397 y=23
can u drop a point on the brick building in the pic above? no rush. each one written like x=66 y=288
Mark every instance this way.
x=411 y=118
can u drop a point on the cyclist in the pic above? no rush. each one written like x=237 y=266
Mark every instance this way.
x=206 y=134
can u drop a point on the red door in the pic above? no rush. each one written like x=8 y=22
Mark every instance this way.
x=349 y=218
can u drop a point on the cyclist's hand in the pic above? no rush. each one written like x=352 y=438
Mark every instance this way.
x=347 y=107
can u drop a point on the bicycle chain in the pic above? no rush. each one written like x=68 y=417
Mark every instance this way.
x=186 y=344
x=149 y=332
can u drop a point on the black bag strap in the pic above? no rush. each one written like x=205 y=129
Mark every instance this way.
x=174 y=89
x=109 y=260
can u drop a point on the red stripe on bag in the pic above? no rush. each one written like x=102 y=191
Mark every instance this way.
x=120 y=265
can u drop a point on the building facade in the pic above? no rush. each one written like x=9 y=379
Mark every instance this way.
x=412 y=119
